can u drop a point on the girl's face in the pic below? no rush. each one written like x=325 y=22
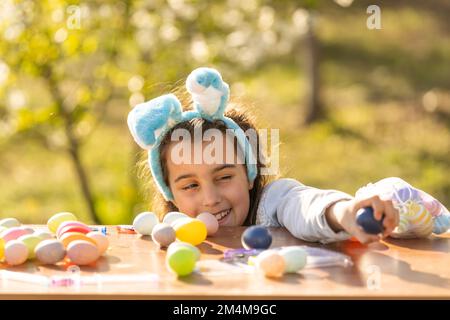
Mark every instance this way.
x=221 y=189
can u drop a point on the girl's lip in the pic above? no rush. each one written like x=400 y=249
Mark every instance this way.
x=225 y=219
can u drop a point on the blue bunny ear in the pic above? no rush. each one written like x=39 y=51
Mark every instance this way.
x=148 y=120
x=209 y=92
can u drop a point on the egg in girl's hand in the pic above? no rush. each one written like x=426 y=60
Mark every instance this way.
x=101 y=240
x=50 y=251
x=270 y=263
x=54 y=222
x=295 y=258
x=190 y=230
x=181 y=260
x=31 y=241
x=173 y=216
x=145 y=222
x=16 y=252
x=211 y=223
x=14 y=233
x=163 y=234
x=256 y=237
x=82 y=252
x=9 y=223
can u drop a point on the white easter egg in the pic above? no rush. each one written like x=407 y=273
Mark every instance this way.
x=82 y=252
x=145 y=222
x=163 y=234
x=171 y=217
x=212 y=225
x=10 y=222
x=50 y=251
x=16 y=252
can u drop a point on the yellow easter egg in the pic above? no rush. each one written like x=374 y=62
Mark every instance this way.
x=2 y=249
x=54 y=222
x=192 y=231
x=68 y=237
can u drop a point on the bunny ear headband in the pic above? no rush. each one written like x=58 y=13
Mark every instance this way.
x=150 y=121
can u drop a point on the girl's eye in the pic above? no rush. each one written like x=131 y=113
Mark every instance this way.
x=191 y=186
x=225 y=178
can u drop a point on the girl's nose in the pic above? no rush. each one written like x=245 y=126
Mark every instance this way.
x=211 y=197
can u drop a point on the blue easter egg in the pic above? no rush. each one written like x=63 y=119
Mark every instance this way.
x=365 y=219
x=256 y=237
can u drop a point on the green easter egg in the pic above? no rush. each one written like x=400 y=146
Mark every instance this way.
x=31 y=241
x=54 y=222
x=181 y=261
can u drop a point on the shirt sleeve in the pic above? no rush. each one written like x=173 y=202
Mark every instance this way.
x=300 y=209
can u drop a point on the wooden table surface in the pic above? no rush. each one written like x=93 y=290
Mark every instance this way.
x=418 y=268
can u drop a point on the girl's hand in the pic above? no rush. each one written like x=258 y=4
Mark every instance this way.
x=342 y=216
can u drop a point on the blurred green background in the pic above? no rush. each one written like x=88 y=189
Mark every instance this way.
x=71 y=70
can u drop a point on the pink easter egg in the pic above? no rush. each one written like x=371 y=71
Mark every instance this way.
x=69 y=223
x=212 y=225
x=14 y=233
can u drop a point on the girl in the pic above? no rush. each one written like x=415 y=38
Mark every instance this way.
x=196 y=175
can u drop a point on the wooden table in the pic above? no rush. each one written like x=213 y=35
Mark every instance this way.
x=417 y=268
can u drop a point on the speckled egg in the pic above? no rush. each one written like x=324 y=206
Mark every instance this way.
x=178 y=244
x=145 y=222
x=173 y=216
x=163 y=234
x=70 y=223
x=294 y=257
x=181 y=261
x=82 y=252
x=54 y=222
x=68 y=237
x=211 y=223
x=256 y=237
x=270 y=263
x=31 y=241
x=101 y=240
x=14 y=233
x=50 y=251
x=9 y=223
x=189 y=230
x=16 y=252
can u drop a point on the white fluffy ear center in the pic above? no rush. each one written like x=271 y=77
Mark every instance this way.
x=209 y=100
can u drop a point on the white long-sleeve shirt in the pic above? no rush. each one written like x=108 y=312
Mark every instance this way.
x=300 y=209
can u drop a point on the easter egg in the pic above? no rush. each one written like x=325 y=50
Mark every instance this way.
x=50 y=251
x=163 y=234
x=441 y=223
x=294 y=257
x=72 y=229
x=144 y=223
x=171 y=217
x=16 y=252
x=2 y=249
x=43 y=234
x=366 y=220
x=14 y=233
x=181 y=261
x=178 y=244
x=192 y=231
x=2 y=229
x=270 y=263
x=82 y=252
x=54 y=222
x=256 y=237
x=211 y=223
x=68 y=237
x=101 y=240
x=31 y=241
x=9 y=223
x=70 y=223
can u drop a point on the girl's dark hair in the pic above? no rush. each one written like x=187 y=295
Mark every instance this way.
x=245 y=122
